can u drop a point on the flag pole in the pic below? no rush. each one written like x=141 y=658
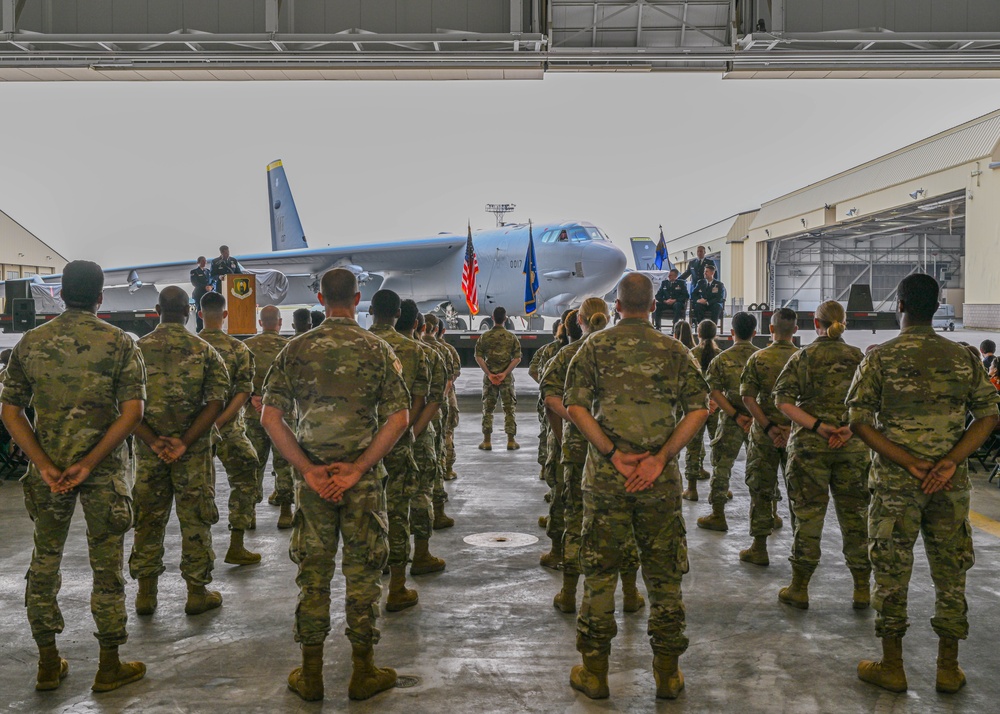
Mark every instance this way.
x=471 y=328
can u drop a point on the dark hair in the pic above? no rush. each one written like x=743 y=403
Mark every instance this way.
x=571 y=326
x=784 y=321
x=988 y=346
x=223 y=247
x=339 y=286
x=212 y=302
x=316 y=318
x=82 y=284
x=743 y=324
x=385 y=304
x=707 y=330
x=440 y=328
x=407 y=316
x=499 y=315
x=301 y=320
x=682 y=333
x=919 y=295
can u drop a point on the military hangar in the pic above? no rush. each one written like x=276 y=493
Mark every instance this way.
x=723 y=243
x=23 y=254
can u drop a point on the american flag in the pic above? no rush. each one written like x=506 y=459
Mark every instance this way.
x=469 y=272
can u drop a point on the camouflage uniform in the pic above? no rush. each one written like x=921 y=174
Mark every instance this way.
x=694 y=452
x=425 y=451
x=231 y=443
x=339 y=379
x=763 y=459
x=610 y=376
x=184 y=373
x=916 y=390
x=498 y=347
x=816 y=379
x=724 y=374
x=440 y=496
x=452 y=422
x=265 y=347
x=538 y=362
x=75 y=371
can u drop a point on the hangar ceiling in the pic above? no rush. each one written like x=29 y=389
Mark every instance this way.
x=493 y=39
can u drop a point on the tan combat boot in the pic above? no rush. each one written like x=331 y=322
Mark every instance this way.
x=756 y=554
x=400 y=597
x=237 y=554
x=52 y=669
x=950 y=677
x=487 y=444
x=778 y=523
x=307 y=680
x=691 y=492
x=543 y=522
x=591 y=677
x=565 y=599
x=862 y=598
x=367 y=680
x=113 y=673
x=716 y=521
x=285 y=517
x=797 y=594
x=703 y=475
x=423 y=561
x=889 y=673
x=145 y=601
x=668 y=676
x=272 y=500
x=632 y=600
x=441 y=519
x=201 y=600
x=554 y=558
x=511 y=444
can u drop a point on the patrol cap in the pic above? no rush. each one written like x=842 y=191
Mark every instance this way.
x=82 y=282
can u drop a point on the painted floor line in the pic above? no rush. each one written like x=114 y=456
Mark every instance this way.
x=984 y=523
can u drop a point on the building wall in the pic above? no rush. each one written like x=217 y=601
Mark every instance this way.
x=22 y=254
x=982 y=251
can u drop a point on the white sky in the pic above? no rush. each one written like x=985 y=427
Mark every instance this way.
x=126 y=173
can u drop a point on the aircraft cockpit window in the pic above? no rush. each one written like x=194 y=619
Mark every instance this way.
x=581 y=234
x=550 y=236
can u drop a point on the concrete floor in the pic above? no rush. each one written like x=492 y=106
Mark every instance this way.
x=485 y=636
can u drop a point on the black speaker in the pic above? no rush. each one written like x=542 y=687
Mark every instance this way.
x=15 y=290
x=23 y=314
x=860 y=298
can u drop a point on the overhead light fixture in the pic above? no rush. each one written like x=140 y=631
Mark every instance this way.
x=768 y=232
x=804 y=223
x=852 y=212
x=918 y=194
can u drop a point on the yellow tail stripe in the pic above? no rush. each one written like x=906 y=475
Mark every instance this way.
x=274 y=165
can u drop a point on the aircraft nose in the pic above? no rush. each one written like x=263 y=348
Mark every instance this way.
x=603 y=265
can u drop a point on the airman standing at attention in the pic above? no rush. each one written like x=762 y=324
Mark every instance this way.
x=187 y=385
x=452 y=423
x=768 y=435
x=232 y=445
x=694 y=454
x=908 y=403
x=498 y=352
x=538 y=362
x=343 y=382
x=265 y=347
x=440 y=497
x=86 y=382
x=631 y=481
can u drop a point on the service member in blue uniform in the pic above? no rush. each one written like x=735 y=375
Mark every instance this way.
x=709 y=297
x=225 y=264
x=671 y=299
x=201 y=279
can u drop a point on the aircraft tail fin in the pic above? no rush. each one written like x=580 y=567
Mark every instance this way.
x=286 y=228
x=644 y=252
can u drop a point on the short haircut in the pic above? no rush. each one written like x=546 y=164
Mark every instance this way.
x=672 y=271
x=432 y=322
x=385 y=304
x=407 y=316
x=82 y=284
x=270 y=317
x=988 y=346
x=212 y=302
x=572 y=325
x=201 y=258
x=316 y=318
x=441 y=327
x=919 y=295
x=499 y=315
x=635 y=293
x=743 y=324
x=419 y=321
x=173 y=301
x=300 y=320
x=223 y=247
x=709 y=266
x=784 y=321
x=339 y=286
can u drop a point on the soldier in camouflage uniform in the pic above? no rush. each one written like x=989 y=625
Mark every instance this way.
x=231 y=443
x=265 y=347
x=823 y=457
x=85 y=380
x=452 y=422
x=593 y=316
x=187 y=384
x=342 y=381
x=443 y=417
x=535 y=367
x=769 y=434
x=694 y=453
x=631 y=481
x=498 y=352
x=908 y=402
x=723 y=377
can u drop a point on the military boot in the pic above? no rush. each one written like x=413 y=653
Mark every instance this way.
x=237 y=554
x=451 y=475
x=756 y=554
x=307 y=680
x=543 y=522
x=668 y=676
x=367 y=680
x=400 y=597
x=201 y=600
x=487 y=444
x=778 y=523
x=145 y=601
x=441 y=519
x=113 y=673
x=565 y=599
x=423 y=562
x=797 y=594
x=716 y=521
x=691 y=492
x=511 y=444
x=950 y=677
x=889 y=673
x=591 y=677
x=862 y=591
x=554 y=558
x=52 y=669
x=632 y=600
x=285 y=517
x=703 y=475
x=272 y=500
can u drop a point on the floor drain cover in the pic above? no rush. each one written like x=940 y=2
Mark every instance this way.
x=405 y=682
x=501 y=540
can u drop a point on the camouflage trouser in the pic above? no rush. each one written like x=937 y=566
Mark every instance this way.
x=811 y=477
x=694 y=453
x=505 y=393
x=440 y=496
x=281 y=468
x=107 y=509
x=726 y=443
x=573 y=508
x=763 y=461
x=543 y=426
x=899 y=511
x=655 y=519
x=557 y=503
x=240 y=461
x=422 y=503
x=318 y=526
x=449 y=437
x=191 y=483
x=400 y=488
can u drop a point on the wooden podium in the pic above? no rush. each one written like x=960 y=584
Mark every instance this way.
x=240 y=292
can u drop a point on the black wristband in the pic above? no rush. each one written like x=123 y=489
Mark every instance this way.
x=816 y=426
x=767 y=427
x=614 y=450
